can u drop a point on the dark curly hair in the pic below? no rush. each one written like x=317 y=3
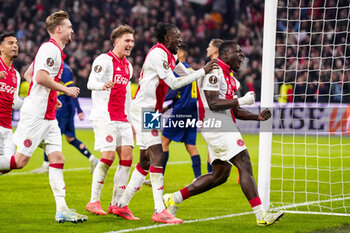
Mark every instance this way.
x=226 y=45
x=162 y=30
x=6 y=34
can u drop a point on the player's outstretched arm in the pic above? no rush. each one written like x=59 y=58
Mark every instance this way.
x=176 y=83
x=217 y=104
x=243 y=114
x=43 y=78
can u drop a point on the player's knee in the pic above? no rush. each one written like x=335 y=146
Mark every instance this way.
x=21 y=163
x=144 y=164
x=222 y=176
x=21 y=160
x=82 y=146
x=69 y=139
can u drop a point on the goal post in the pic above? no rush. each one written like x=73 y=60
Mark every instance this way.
x=267 y=94
x=304 y=150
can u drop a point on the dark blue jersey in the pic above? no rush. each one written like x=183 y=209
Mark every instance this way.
x=68 y=103
x=184 y=99
x=65 y=114
x=184 y=107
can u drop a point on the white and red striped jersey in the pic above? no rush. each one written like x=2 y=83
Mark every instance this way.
x=158 y=65
x=9 y=87
x=113 y=104
x=223 y=81
x=41 y=100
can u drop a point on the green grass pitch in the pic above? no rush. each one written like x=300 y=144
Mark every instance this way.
x=27 y=203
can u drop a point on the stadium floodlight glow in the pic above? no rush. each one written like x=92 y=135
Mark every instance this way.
x=306 y=63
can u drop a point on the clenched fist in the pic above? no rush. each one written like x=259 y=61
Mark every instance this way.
x=264 y=115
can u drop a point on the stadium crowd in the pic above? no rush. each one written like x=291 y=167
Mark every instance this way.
x=306 y=76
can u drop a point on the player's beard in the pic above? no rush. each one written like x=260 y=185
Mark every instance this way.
x=69 y=40
x=173 y=51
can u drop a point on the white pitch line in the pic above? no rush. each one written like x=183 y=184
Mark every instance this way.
x=245 y=213
x=88 y=168
x=188 y=221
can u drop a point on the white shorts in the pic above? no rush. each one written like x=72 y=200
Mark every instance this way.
x=6 y=145
x=33 y=132
x=112 y=134
x=224 y=145
x=144 y=139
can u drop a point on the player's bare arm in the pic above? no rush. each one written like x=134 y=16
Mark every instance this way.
x=44 y=79
x=28 y=74
x=217 y=104
x=243 y=114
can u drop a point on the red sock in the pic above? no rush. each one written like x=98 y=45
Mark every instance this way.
x=107 y=161
x=185 y=193
x=13 y=164
x=255 y=202
x=57 y=165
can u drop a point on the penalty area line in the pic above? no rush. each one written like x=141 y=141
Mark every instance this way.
x=187 y=221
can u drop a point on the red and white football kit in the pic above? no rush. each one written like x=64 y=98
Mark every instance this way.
x=110 y=108
x=38 y=124
x=155 y=79
x=221 y=145
x=9 y=87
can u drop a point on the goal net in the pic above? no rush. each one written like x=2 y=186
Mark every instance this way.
x=310 y=143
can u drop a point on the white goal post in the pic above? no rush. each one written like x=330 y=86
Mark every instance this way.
x=304 y=163
x=267 y=91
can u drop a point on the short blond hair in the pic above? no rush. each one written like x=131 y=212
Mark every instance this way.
x=120 y=31
x=55 y=19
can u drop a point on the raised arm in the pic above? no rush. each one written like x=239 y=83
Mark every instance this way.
x=176 y=83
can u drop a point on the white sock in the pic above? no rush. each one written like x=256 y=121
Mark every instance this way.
x=5 y=161
x=258 y=211
x=98 y=178
x=137 y=178
x=92 y=157
x=58 y=186
x=157 y=180
x=177 y=197
x=46 y=164
x=121 y=178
